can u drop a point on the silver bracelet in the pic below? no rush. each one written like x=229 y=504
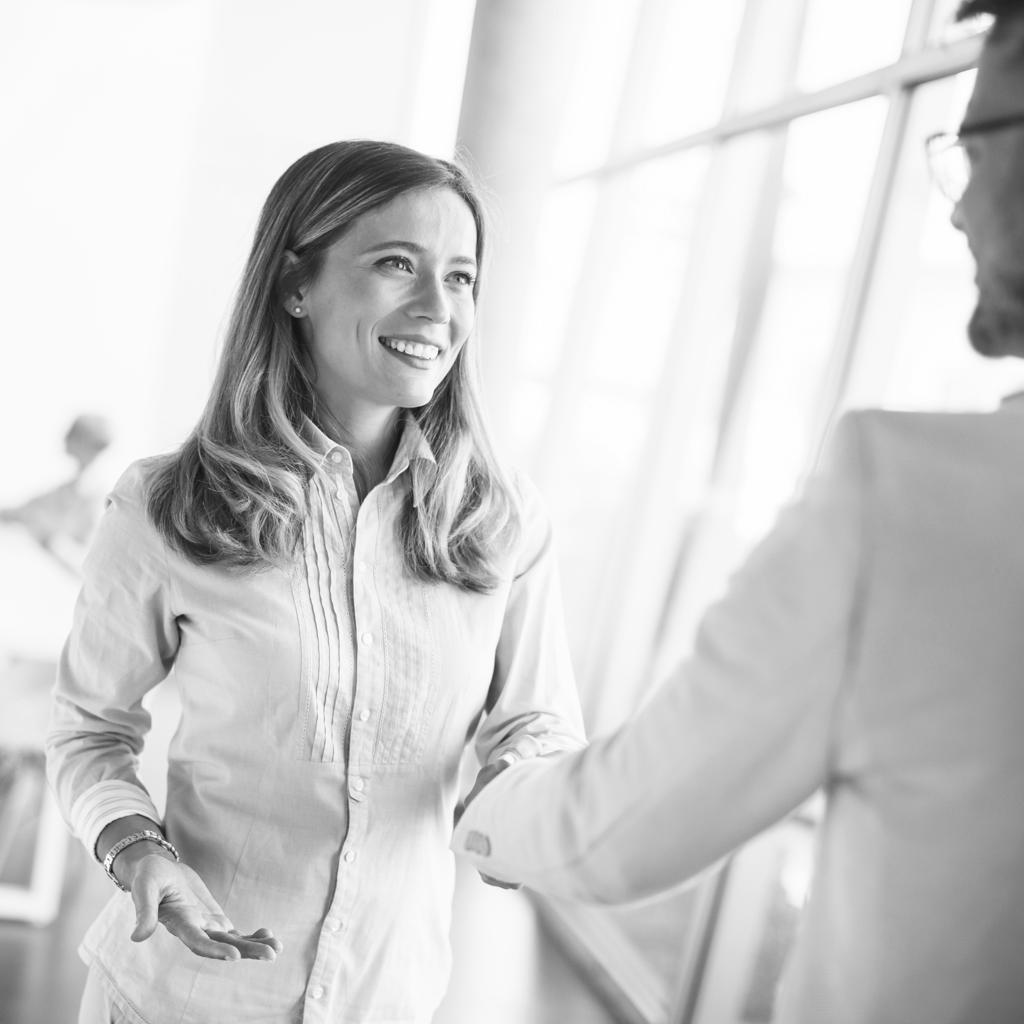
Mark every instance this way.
x=146 y=835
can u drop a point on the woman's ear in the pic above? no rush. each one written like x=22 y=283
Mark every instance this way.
x=292 y=297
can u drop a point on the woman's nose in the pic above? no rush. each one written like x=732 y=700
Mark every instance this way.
x=431 y=301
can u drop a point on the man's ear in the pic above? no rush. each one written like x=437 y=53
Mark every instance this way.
x=293 y=299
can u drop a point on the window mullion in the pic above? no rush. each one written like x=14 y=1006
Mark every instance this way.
x=911 y=70
x=863 y=263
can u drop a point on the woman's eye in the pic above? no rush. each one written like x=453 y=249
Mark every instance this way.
x=464 y=278
x=398 y=262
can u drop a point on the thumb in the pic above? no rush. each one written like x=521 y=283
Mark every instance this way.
x=146 y=899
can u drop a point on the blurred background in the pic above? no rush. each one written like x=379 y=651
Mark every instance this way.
x=714 y=232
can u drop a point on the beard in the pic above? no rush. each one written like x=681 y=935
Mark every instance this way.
x=996 y=329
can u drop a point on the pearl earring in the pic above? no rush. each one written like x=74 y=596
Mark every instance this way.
x=297 y=310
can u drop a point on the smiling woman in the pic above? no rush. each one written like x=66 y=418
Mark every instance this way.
x=359 y=242
x=346 y=585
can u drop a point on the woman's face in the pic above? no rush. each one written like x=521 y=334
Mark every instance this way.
x=392 y=304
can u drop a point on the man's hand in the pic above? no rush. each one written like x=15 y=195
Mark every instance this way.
x=487 y=774
x=173 y=895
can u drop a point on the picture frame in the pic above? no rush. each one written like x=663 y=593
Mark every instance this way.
x=33 y=840
x=33 y=836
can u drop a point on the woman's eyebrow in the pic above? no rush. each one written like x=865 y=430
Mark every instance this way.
x=414 y=247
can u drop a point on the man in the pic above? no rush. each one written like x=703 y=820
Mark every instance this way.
x=873 y=645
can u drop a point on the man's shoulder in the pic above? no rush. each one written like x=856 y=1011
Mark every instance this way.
x=962 y=455
x=882 y=431
x=911 y=420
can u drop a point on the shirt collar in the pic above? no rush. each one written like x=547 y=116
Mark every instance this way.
x=412 y=446
x=329 y=451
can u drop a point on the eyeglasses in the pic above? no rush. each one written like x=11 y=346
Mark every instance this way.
x=948 y=161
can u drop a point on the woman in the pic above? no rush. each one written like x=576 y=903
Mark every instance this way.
x=343 y=581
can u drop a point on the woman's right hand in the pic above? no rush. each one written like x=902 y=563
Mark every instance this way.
x=172 y=894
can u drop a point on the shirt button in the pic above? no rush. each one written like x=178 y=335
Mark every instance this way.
x=339 y=494
x=358 y=785
x=332 y=924
x=317 y=991
x=350 y=855
x=364 y=715
x=367 y=638
x=335 y=457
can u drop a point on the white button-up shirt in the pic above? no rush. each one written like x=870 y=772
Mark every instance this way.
x=313 y=778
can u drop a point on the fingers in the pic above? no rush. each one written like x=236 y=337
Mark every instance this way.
x=217 y=943
x=220 y=945
x=265 y=935
x=260 y=945
x=195 y=938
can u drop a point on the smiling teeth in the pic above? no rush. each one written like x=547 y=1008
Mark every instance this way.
x=411 y=348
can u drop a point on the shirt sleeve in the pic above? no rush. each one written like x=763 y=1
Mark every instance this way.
x=739 y=735
x=532 y=705
x=123 y=640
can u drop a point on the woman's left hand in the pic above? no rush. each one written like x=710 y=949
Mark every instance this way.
x=172 y=894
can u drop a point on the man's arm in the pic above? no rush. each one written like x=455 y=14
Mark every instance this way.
x=738 y=736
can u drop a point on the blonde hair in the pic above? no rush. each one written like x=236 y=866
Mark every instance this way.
x=236 y=491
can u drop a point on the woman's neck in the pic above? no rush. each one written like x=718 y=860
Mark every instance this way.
x=372 y=438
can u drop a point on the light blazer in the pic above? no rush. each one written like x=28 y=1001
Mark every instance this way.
x=873 y=645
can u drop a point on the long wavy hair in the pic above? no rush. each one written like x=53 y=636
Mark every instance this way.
x=236 y=491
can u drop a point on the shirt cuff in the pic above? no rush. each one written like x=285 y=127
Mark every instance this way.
x=105 y=802
x=483 y=835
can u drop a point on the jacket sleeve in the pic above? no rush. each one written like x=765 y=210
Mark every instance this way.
x=735 y=738
x=532 y=706
x=122 y=643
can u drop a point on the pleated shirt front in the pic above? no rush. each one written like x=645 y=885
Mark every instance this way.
x=313 y=778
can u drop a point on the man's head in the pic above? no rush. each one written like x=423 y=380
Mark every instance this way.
x=991 y=211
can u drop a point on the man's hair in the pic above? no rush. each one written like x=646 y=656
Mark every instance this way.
x=997 y=8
